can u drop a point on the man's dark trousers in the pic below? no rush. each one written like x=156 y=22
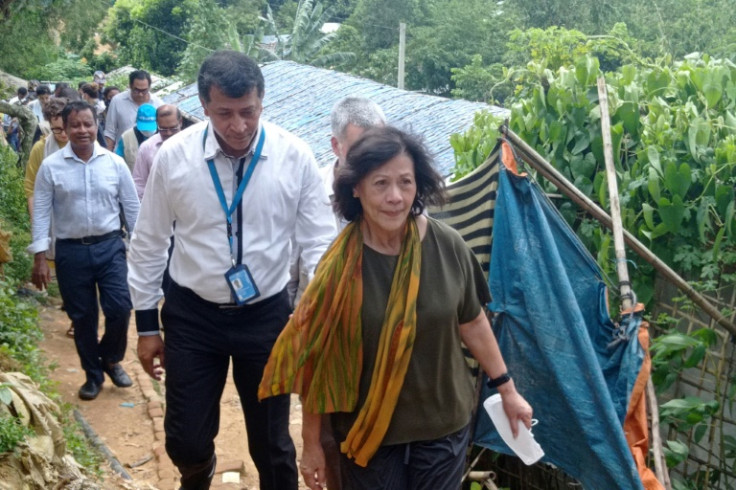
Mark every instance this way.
x=81 y=271
x=200 y=338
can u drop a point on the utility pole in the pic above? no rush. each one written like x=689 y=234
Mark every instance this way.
x=402 y=50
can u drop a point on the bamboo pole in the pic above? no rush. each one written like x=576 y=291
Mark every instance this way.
x=535 y=160
x=662 y=475
x=627 y=298
x=627 y=303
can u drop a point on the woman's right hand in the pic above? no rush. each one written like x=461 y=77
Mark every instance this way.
x=312 y=465
x=516 y=407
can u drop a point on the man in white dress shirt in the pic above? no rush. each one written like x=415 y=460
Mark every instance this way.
x=238 y=188
x=83 y=188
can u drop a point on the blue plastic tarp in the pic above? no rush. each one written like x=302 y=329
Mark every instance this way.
x=568 y=359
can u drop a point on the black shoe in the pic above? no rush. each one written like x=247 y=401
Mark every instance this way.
x=118 y=375
x=89 y=390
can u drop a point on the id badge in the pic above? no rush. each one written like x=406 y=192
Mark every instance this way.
x=241 y=284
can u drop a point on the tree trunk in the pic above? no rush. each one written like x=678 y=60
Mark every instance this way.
x=28 y=123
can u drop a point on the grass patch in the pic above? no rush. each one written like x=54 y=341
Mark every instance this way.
x=12 y=432
x=77 y=444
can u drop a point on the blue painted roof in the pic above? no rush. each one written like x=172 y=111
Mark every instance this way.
x=299 y=98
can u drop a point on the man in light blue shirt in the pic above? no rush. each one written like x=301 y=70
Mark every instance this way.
x=123 y=108
x=84 y=187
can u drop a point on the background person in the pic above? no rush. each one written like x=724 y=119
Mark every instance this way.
x=205 y=327
x=400 y=291
x=69 y=94
x=108 y=93
x=43 y=94
x=123 y=108
x=168 y=122
x=99 y=78
x=349 y=119
x=12 y=125
x=91 y=95
x=81 y=190
x=145 y=127
x=46 y=146
x=59 y=87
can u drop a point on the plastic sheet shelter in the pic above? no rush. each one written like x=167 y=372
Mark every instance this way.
x=574 y=365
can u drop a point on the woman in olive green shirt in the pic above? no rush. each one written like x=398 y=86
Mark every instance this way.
x=376 y=338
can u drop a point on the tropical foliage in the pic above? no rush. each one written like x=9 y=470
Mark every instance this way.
x=306 y=41
x=674 y=140
x=149 y=34
x=34 y=33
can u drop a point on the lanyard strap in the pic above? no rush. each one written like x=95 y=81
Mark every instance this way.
x=241 y=188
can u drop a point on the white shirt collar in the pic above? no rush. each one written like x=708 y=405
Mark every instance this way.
x=212 y=147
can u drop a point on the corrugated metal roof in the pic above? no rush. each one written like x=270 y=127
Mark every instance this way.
x=300 y=97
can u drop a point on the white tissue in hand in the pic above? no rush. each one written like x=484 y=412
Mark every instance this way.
x=525 y=447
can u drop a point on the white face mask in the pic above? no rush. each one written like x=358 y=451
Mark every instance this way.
x=148 y=134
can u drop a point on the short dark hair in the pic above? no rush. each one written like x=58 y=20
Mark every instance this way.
x=69 y=93
x=109 y=89
x=139 y=75
x=77 y=106
x=43 y=90
x=22 y=91
x=59 y=86
x=53 y=107
x=232 y=72
x=373 y=149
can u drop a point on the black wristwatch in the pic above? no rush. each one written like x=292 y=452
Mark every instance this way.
x=496 y=382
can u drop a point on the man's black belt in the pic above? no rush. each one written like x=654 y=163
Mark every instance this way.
x=91 y=240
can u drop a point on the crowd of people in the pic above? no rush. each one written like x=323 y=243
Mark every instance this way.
x=332 y=284
x=36 y=94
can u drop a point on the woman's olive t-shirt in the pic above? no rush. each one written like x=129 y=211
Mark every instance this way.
x=437 y=396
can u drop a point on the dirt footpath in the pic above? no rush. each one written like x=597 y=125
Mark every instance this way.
x=129 y=421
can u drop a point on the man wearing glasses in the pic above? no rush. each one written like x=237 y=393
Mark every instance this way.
x=123 y=110
x=45 y=146
x=168 y=119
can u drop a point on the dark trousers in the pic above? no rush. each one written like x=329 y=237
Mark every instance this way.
x=421 y=465
x=81 y=271
x=200 y=339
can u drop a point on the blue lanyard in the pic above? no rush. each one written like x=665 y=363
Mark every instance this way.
x=241 y=188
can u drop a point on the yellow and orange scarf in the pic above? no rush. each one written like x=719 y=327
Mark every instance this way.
x=319 y=354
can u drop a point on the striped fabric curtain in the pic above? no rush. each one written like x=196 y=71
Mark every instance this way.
x=470 y=207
